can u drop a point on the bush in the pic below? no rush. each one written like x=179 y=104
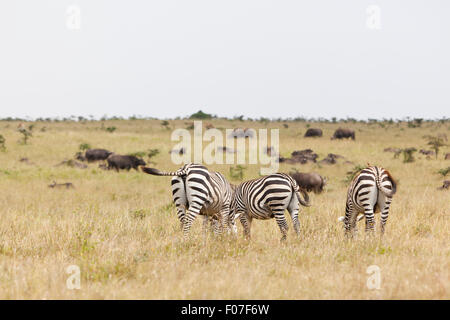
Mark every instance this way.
x=84 y=146
x=444 y=171
x=26 y=134
x=352 y=173
x=408 y=155
x=237 y=172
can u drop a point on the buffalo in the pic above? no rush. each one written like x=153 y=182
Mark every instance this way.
x=97 y=154
x=301 y=156
x=426 y=152
x=117 y=161
x=331 y=158
x=447 y=156
x=313 y=132
x=242 y=133
x=342 y=133
x=309 y=181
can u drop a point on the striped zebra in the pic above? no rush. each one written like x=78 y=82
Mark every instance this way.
x=267 y=198
x=181 y=204
x=197 y=191
x=371 y=189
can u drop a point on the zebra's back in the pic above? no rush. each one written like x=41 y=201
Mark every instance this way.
x=371 y=189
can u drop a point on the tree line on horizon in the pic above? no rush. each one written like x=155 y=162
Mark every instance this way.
x=200 y=115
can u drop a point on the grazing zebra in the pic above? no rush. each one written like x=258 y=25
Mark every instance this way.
x=201 y=192
x=267 y=198
x=371 y=189
x=181 y=204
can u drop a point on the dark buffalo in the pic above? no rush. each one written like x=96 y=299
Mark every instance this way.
x=342 y=133
x=309 y=181
x=313 y=132
x=97 y=154
x=331 y=158
x=447 y=156
x=426 y=152
x=301 y=156
x=117 y=161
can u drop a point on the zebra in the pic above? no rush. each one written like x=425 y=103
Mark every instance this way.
x=266 y=198
x=181 y=204
x=201 y=192
x=371 y=189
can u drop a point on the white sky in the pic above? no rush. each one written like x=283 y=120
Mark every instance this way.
x=258 y=58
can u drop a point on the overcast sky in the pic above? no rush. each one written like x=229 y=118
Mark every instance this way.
x=168 y=58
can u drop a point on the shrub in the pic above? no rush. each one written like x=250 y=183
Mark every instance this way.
x=352 y=173
x=237 y=172
x=444 y=171
x=26 y=134
x=408 y=155
x=84 y=146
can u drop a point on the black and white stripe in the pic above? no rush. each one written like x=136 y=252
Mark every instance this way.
x=371 y=189
x=197 y=191
x=181 y=204
x=266 y=198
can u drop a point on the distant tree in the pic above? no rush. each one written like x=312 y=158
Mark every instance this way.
x=200 y=115
x=408 y=154
x=26 y=134
x=165 y=124
x=436 y=143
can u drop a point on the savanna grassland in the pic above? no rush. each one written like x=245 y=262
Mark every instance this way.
x=121 y=228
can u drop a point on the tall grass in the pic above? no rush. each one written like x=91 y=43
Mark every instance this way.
x=121 y=228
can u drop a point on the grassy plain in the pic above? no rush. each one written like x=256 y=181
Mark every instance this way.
x=122 y=231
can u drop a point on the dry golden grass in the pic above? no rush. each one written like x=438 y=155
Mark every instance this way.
x=122 y=231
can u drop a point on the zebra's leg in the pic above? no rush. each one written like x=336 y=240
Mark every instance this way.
x=189 y=218
x=384 y=205
x=293 y=210
x=225 y=219
x=350 y=220
x=281 y=221
x=370 y=219
x=179 y=198
x=246 y=222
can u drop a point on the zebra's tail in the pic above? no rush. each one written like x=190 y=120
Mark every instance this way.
x=157 y=172
x=297 y=189
x=305 y=202
x=385 y=191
